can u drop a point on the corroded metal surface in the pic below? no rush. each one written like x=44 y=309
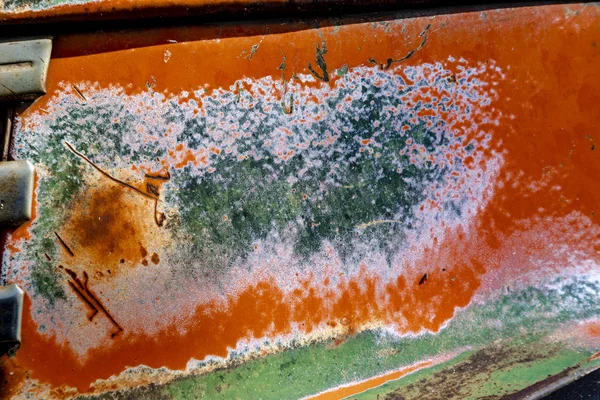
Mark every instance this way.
x=316 y=211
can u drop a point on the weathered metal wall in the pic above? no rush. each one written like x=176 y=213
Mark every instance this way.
x=277 y=211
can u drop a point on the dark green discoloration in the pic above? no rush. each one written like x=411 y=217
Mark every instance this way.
x=320 y=61
x=243 y=201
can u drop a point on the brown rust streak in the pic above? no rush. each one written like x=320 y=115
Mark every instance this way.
x=105 y=311
x=159 y=177
x=159 y=217
x=531 y=391
x=84 y=299
x=101 y=306
x=90 y=299
x=594 y=356
x=153 y=189
x=64 y=245
x=79 y=93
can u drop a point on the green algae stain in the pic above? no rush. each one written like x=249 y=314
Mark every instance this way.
x=242 y=202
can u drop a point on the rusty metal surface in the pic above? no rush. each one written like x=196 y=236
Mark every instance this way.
x=353 y=209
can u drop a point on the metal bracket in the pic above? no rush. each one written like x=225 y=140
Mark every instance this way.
x=11 y=314
x=16 y=192
x=23 y=68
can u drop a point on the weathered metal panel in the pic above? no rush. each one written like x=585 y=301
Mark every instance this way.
x=294 y=210
x=18 y=11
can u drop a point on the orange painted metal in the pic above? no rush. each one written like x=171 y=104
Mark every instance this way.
x=542 y=67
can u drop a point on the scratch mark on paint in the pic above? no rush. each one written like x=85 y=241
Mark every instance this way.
x=90 y=299
x=159 y=177
x=79 y=93
x=64 y=245
x=411 y=53
x=106 y=174
x=7 y=88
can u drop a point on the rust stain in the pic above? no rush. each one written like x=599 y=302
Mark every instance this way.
x=63 y=245
x=90 y=299
x=109 y=226
x=12 y=375
x=408 y=55
x=594 y=356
